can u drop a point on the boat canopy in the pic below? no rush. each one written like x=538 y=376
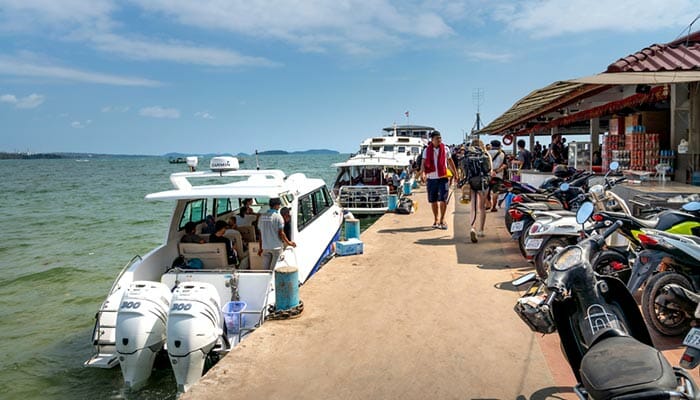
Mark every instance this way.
x=250 y=183
x=376 y=161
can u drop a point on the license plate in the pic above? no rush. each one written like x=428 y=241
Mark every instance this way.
x=516 y=226
x=533 y=244
x=692 y=339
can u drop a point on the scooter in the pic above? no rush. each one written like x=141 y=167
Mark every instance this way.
x=667 y=259
x=602 y=333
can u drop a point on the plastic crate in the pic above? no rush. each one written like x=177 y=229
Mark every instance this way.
x=349 y=247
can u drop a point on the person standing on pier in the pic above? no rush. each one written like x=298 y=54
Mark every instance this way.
x=439 y=170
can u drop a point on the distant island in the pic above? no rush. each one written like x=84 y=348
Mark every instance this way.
x=305 y=152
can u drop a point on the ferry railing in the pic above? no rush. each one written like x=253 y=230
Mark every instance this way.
x=364 y=196
x=123 y=271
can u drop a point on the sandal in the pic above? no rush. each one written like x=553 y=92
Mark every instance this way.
x=494 y=209
x=443 y=226
x=436 y=226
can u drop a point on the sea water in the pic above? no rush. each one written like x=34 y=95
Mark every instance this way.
x=66 y=230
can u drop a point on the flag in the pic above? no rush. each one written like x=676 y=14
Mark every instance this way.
x=406 y=114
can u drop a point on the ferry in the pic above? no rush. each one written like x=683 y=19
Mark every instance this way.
x=364 y=182
x=184 y=299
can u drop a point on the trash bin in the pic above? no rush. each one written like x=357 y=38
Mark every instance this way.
x=232 y=316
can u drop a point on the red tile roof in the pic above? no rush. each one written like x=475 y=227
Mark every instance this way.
x=680 y=55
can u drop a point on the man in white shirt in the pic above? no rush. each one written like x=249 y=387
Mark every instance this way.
x=272 y=237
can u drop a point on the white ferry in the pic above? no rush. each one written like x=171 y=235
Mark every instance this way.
x=363 y=183
x=157 y=306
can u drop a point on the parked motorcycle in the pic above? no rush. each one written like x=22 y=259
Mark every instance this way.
x=602 y=333
x=667 y=259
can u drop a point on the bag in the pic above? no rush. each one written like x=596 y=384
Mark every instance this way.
x=476 y=166
x=404 y=206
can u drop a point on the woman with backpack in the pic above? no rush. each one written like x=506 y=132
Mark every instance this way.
x=478 y=166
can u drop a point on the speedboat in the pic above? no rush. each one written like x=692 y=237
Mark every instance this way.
x=184 y=299
x=363 y=182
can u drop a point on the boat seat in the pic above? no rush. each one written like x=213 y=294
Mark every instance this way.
x=247 y=233
x=213 y=255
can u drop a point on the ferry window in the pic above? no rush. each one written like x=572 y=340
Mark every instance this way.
x=319 y=202
x=388 y=148
x=194 y=211
x=223 y=206
x=327 y=195
x=376 y=148
x=402 y=149
x=306 y=211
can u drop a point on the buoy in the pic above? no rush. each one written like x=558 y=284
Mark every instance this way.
x=286 y=288
x=508 y=139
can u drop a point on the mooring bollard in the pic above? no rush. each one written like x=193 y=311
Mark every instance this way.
x=352 y=228
x=286 y=288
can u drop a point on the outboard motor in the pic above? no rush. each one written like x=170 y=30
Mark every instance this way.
x=195 y=326
x=140 y=332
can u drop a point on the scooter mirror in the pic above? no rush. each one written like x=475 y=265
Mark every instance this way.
x=584 y=212
x=529 y=277
x=564 y=187
x=614 y=166
x=692 y=206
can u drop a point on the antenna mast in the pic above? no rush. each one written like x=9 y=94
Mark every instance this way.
x=478 y=98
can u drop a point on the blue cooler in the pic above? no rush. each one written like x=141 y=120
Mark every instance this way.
x=393 y=202
x=406 y=188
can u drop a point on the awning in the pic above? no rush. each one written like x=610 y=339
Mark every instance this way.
x=647 y=78
x=540 y=102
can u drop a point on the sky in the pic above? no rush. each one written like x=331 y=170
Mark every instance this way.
x=157 y=76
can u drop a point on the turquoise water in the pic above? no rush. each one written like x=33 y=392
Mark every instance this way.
x=66 y=230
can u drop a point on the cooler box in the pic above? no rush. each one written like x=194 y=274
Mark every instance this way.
x=233 y=318
x=392 y=202
x=406 y=188
x=349 y=247
x=352 y=228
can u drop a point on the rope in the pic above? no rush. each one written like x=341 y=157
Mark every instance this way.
x=291 y=313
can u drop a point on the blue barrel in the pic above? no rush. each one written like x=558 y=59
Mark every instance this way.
x=286 y=288
x=406 y=188
x=416 y=185
x=352 y=228
x=393 y=202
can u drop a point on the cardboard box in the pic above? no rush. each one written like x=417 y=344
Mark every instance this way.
x=349 y=247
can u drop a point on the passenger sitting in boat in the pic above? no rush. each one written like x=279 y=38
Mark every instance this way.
x=232 y=224
x=209 y=227
x=190 y=236
x=247 y=215
x=218 y=237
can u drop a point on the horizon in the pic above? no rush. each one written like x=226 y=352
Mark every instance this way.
x=153 y=78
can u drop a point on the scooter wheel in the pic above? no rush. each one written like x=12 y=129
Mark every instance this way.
x=547 y=249
x=666 y=321
x=523 y=238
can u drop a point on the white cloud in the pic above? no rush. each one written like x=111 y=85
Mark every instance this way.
x=16 y=67
x=353 y=26
x=32 y=101
x=185 y=53
x=489 y=56
x=204 y=115
x=159 y=112
x=80 y=124
x=547 y=18
x=116 y=109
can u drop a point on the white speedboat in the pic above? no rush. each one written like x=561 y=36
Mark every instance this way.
x=363 y=183
x=156 y=304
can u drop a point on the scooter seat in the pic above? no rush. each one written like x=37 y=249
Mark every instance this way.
x=622 y=365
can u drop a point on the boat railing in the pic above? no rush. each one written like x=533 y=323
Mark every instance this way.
x=364 y=196
x=123 y=271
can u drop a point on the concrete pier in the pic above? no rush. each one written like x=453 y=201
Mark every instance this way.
x=422 y=314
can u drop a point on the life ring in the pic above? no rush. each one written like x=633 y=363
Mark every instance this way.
x=508 y=139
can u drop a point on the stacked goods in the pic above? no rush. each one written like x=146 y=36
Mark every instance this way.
x=643 y=150
x=611 y=147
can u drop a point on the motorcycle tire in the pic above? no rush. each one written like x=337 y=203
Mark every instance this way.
x=509 y=221
x=547 y=249
x=666 y=322
x=523 y=238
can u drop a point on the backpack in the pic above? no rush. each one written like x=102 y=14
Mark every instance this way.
x=404 y=206
x=476 y=167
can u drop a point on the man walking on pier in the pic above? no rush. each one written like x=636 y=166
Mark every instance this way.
x=439 y=169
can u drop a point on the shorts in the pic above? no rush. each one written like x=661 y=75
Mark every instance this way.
x=437 y=190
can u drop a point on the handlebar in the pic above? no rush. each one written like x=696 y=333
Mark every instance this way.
x=550 y=299
x=601 y=240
